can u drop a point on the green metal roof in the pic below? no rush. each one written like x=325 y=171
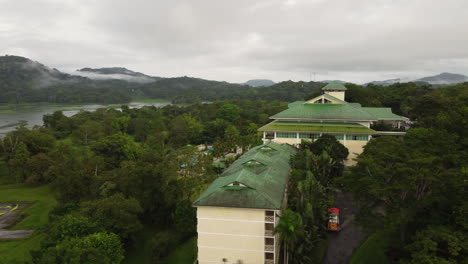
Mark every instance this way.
x=324 y=112
x=383 y=113
x=295 y=103
x=263 y=185
x=316 y=127
x=335 y=86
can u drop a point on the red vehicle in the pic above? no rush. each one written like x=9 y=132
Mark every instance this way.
x=333 y=219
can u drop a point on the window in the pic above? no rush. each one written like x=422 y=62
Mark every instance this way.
x=266 y=149
x=357 y=137
x=285 y=135
x=269 y=241
x=308 y=135
x=339 y=137
x=325 y=101
x=236 y=184
x=270 y=216
x=253 y=163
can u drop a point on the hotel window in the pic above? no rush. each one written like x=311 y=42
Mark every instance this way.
x=286 y=135
x=357 y=137
x=309 y=135
x=339 y=137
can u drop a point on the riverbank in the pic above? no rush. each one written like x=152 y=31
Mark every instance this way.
x=32 y=113
x=28 y=107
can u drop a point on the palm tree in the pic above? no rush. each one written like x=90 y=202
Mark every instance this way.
x=290 y=229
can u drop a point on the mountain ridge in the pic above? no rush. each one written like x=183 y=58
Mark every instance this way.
x=259 y=83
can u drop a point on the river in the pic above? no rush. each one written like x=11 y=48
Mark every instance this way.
x=33 y=113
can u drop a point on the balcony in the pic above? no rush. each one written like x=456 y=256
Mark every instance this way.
x=269 y=261
x=269 y=233
x=269 y=244
x=269 y=247
x=269 y=218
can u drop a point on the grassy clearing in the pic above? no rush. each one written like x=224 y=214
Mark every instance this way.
x=18 y=250
x=42 y=201
x=184 y=254
x=41 y=197
x=372 y=250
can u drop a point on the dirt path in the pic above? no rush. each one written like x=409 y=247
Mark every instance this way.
x=10 y=218
x=342 y=244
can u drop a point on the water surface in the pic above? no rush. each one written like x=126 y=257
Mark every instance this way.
x=33 y=113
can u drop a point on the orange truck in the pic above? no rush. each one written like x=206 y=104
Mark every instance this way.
x=333 y=219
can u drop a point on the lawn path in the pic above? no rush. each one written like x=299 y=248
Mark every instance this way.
x=342 y=244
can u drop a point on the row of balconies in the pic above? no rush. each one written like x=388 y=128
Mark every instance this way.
x=270 y=237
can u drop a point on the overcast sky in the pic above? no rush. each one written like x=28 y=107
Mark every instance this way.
x=352 y=40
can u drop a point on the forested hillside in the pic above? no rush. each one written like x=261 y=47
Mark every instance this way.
x=22 y=80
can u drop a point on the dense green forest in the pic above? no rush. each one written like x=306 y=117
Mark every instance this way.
x=117 y=174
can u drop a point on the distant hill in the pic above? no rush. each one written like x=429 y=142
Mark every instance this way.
x=440 y=79
x=16 y=70
x=329 y=81
x=118 y=73
x=385 y=82
x=25 y=80
x=445 y=78
x=259 y=83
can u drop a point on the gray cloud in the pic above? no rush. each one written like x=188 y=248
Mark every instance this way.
x=359 y=40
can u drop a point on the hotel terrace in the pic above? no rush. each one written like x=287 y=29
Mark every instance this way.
x=329 y=113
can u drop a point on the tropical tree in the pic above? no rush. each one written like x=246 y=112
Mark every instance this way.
x=290 y=229
x=18 y=162
x=116 y=213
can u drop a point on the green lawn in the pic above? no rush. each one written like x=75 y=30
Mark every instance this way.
x=184 y=254
x=42 y=201
x=372 y=250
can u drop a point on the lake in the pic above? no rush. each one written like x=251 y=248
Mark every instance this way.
x=11 y=116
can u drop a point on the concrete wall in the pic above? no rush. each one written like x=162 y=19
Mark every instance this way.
x=338 y=94
x=231 y=233
x=290 y=141
x=355 y=148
